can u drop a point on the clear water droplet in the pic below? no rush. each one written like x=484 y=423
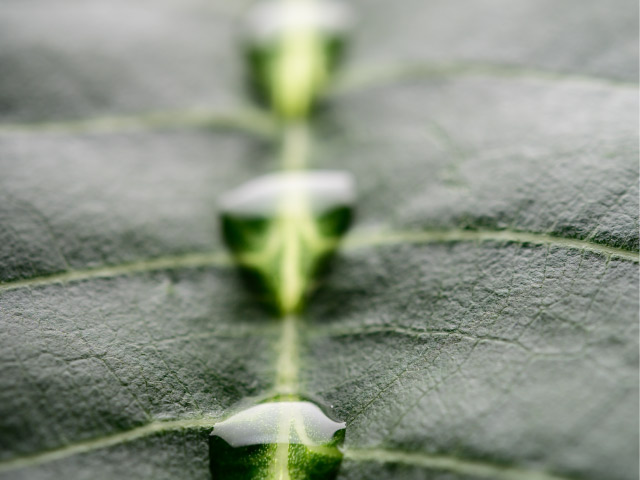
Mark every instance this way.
x=293 y=48
x=283 y=226
x=279 y=440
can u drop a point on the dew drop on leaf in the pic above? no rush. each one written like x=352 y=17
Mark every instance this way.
x=293 y=47
x=281 y=440
x=283 y=226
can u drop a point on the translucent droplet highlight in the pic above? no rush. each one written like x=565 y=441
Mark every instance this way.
x=284 y=440
x=293 y=47
x=282 y=227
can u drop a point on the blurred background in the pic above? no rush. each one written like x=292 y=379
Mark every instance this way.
x=73 y=59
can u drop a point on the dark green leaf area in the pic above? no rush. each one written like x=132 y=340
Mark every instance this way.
x=99 y=357
x=496 y=153
x=503 y=353
x=163 y=456
x=76 y=201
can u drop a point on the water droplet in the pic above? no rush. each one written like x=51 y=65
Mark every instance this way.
x=283 y=440
x=283 y=226
x=293 y=47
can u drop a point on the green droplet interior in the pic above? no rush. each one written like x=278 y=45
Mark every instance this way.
x=293 y=47
x=283 y=226
x=283 y=440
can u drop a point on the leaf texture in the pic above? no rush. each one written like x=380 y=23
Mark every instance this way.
x=482 y=320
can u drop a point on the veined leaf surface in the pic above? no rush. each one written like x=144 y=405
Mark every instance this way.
x=482 y=319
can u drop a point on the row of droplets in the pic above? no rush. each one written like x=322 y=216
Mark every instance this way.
x=281 y=229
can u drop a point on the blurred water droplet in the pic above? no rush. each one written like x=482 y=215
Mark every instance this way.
x=293 y=48
x=281 y=227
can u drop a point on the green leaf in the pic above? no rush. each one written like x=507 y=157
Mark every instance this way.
x=481 y=321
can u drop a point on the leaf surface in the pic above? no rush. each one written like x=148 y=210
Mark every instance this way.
x=482 y=320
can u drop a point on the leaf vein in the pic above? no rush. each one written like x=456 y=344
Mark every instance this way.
x=86 y=446
x=359 y=240
x=364 y=76
x=483 y=469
